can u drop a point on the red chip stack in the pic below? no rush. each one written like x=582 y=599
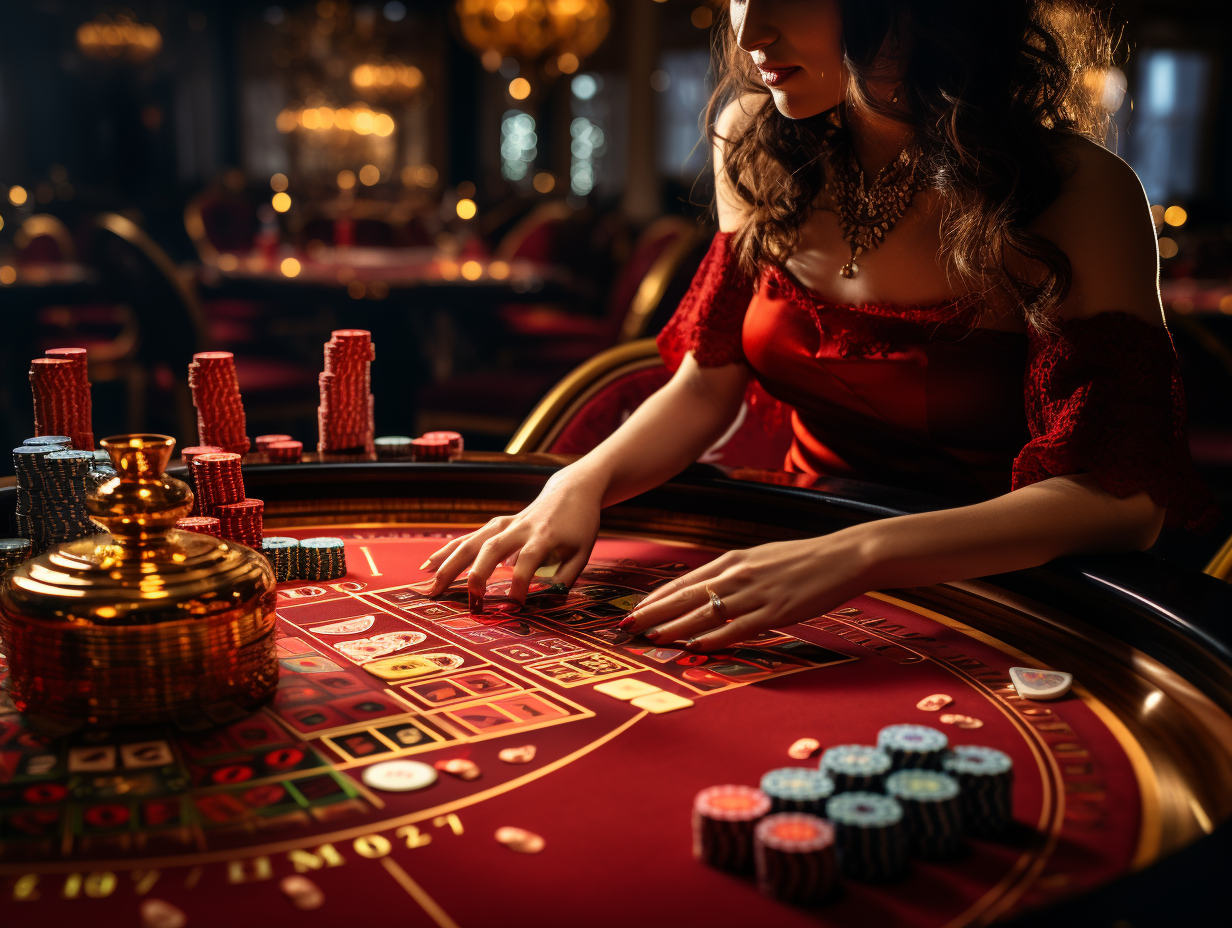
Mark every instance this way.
x=285 y=452
x=242 y=521
x=81 y=430
x=216 y=394
x=345 y=417
x=186 y=457
x=203 y=525
x=264 y=441
x=429 y=449
x=62 y=397
x=454 y=439
x=220 y=484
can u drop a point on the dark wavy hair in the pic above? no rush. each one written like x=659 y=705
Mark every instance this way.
x=988 y=86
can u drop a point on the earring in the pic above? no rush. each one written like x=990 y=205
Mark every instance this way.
x=894 y=99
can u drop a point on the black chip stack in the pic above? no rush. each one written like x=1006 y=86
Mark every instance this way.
x=51 y=491
x=284 y=556
x=872 y=842
x=322 y=559
x=986 y=776
x=723 y=821
x=797 y=789
x=932 y=811
x=13 y=551
x=855 y=767
x=913 y=746
x=795 y=859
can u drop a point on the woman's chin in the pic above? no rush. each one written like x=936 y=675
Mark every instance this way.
x=796 y=105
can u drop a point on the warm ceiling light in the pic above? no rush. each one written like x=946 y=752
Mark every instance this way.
x=281 y=202
x=279 y=183
x=108 y=39
x=466 y=208
x=289 y=267
x=369 y=174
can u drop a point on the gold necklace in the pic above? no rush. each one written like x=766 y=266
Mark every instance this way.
x=866 y=216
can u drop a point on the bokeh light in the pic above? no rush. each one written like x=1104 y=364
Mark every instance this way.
x=290 y=267
x=369 y=174
x=498 y=270
x=279 y=183
x=346 y=179
x=18 y=195
x=466 y=208
x=544 y=182
x=702 y=17
x=567 y=63
x=281 y=202
x=8 y=274
x=472 y=270
x=1168 y=248
x=519 y=88
x=1175 y=216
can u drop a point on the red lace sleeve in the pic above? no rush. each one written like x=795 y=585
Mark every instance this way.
x=1104 y=396
x=710 y=316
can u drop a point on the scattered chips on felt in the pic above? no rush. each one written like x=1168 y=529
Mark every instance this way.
x=626 y=688
x=304 y=894
x=520 y=840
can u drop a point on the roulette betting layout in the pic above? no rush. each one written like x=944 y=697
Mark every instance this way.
x=1131 y=766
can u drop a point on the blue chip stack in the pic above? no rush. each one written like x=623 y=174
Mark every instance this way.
x=871 y=840
x=855 y=767
x=322 y=559
x=797 y=789
x=51 y=494
x=284 y=556
x=986 y=776
x=932 y=811
x=911 y=746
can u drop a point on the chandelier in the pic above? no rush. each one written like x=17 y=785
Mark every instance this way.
x=387 y=78
x=532 y=29
x=108 y=39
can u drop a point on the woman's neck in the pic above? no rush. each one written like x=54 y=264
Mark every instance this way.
x=876 y=139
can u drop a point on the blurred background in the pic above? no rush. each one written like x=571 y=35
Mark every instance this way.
x=498 y=189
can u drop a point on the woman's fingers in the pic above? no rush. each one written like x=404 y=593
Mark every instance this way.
x=529 y=559
x=462 y=555
x=571 y=569
x=668 y=590
x=686 y=627
x=675 y=604
x=491 y=553
x=735 y=631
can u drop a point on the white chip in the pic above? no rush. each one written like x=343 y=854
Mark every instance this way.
x=399 y=776
x=626 y=688
x=661 y=702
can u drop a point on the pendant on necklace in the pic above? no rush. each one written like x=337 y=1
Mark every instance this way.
x=850 y=269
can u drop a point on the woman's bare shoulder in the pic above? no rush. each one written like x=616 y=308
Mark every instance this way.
x=1102 y=221
x=731 y=122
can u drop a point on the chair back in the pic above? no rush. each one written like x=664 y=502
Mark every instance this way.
x=646 y=278
x=44 y=239
x=537 y=236
x=591 y=402
x=218 y=222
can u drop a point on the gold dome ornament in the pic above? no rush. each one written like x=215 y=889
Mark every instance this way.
x=146 y=624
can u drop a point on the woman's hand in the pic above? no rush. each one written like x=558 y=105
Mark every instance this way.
x=766 y=587
x=562 y=522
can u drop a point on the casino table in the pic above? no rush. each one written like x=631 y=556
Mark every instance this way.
x=1114 y=784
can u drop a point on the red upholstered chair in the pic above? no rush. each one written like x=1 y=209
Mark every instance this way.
x=219 y=220
x=44 y=239
x=593 y=401
x=537 y=235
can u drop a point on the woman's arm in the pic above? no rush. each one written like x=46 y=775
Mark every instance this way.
x=1101 y=221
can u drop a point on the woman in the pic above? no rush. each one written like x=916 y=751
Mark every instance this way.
x=981 y=319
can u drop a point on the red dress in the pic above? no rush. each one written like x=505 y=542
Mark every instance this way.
x=917 y=397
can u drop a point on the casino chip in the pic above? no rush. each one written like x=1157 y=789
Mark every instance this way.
x=284 y=556
x=220 y=409
x=723 y=821
x=986 y=777
x=932 y=811
x=13 y=551
x=461 y=767
x=453 y=438
x=322 y=559
x=399 y=776
x=794 y=857
x=872 y=842
x=345 y=417
x=797 y=789
x=520 y=840
x=855 y=767
x=202 y=525
x=304 y=894
x=51 y=494
x=913 y=746
x=285 y=452
x=393 y=446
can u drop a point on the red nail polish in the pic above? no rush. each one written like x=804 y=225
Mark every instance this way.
x=475 y=602
x=625 y=623
x=650 y=634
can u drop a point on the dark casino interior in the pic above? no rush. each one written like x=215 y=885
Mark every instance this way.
x=500 y=204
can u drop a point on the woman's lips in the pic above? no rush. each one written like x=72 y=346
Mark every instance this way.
x=776 y=75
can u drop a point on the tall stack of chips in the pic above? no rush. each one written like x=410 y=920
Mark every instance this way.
x=54 y=383
x=51 y=494
x=855 y=767
x=202 y=525
x=871 y=840
x=13 y=551
x=242 y=521
x=219 y=480
x=794 y=857
x=986 y=777
x=285 y=452
x=79 y=427
x=345 y=417
x=216 y=394
x=322 y=559
x=797 y=789
x=284 y=557
x=723 y=822
x=187 y=456
x=931 y=810
x=913 y=746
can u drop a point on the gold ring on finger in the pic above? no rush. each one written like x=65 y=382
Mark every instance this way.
x=716 y=602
